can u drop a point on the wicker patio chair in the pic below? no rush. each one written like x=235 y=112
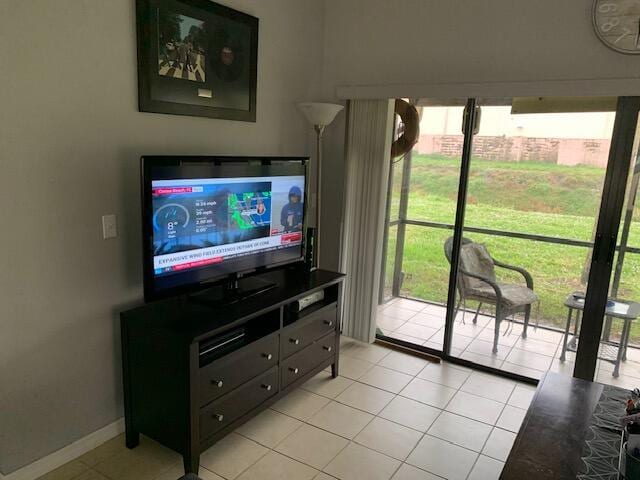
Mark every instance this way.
x=477 y=281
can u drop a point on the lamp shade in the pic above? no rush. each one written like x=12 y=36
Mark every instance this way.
x=320 y=113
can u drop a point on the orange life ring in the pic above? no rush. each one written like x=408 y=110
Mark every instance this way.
x=411 y=120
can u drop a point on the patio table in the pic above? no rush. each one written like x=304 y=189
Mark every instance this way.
x=611 y=352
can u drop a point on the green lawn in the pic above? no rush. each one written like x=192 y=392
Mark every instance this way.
x=532 y=197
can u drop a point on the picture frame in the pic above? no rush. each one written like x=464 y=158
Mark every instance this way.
x=197 y=58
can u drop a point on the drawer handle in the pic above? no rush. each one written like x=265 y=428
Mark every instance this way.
x=268 y=356
x=294 y=370
x=295 y=341
x=328 y=349
x=217 y=383
x=329 y=323
x=266 y=387
x=218 y=416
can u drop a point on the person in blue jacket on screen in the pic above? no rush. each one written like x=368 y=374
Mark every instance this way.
x=292 y=213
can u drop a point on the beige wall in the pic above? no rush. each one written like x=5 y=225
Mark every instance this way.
x=70 y=140
x=449 y=48
x=413 y=42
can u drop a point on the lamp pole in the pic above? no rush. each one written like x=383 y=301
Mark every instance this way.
x=319 y=115
x=319 y=131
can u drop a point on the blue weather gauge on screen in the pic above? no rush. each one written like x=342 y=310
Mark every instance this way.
x=171 y=216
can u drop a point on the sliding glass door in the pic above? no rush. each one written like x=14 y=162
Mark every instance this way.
x=520 y=201
x=535 y=185
x=608 y=347
x=423 y=191
x=621 y=327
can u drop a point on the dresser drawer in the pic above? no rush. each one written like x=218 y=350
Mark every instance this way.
x=305 y=331
x=307 y=359
x=224 y=411
x=226 y=373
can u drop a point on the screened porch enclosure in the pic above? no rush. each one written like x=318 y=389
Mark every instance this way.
x=534 y=191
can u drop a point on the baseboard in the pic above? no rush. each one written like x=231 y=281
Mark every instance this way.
x=66 y=454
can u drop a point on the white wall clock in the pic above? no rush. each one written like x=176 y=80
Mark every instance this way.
x=617 y=24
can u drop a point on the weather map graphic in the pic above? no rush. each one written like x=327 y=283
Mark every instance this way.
x=250 y=209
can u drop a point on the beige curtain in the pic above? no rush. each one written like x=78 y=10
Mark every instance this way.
x=369 y=136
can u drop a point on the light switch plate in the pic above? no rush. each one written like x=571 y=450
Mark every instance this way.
x=109 y=226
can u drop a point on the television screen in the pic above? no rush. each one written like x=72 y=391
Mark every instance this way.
x=206 y=220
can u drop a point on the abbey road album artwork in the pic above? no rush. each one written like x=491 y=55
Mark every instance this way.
x=196 y=57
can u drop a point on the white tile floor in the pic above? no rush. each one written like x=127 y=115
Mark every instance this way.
x=391 y=416
x=423 y=324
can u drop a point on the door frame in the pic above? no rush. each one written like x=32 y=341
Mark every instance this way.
x=469 y=127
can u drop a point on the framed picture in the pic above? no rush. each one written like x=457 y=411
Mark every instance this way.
x=198 y=58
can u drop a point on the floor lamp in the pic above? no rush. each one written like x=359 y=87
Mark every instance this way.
x=319 y=115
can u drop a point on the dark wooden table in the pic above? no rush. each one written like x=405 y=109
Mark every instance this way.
x=550 y=442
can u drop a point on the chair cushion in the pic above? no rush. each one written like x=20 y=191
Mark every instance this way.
x=475 y=258
x=512 y=295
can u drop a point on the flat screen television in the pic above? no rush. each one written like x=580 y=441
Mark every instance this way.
x=208 y=220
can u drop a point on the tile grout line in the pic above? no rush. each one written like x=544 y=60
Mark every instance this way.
x=373 y=417
x=493 y=426
x=341 y=436
x=422 y=434
x=458 y=389
x=321 y=470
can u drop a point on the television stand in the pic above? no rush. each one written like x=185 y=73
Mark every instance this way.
x=194 y=372
x=235 y=291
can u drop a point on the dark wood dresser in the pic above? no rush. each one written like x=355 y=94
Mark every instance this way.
x=193 y=372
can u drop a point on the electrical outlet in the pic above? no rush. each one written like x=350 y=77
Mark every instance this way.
x=109 y=226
